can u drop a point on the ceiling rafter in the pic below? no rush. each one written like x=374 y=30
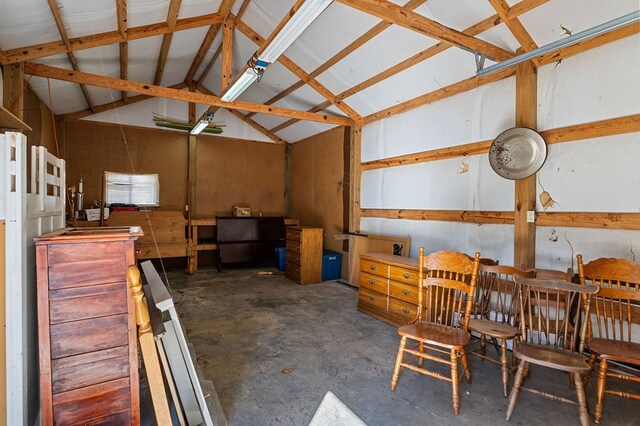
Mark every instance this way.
x=165 y=92
x=411 y=20
x=172 y=18
x=227 y=52
x=121 y=12
x=292 y=121
x=360 y=41
x=27 y=53
x=419 y=57
x=72 y=58
x=247 y=120
x=515 y=26
x=115 y=104
x=301 y=74
x=224 y=10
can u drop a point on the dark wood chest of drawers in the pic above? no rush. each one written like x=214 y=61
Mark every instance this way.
x=388 y=287
x=86 y=325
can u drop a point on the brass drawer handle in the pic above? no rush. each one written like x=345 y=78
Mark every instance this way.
x=405 y=311
x=372 y=298
x=372 y=282
x=406 y=276
x=406 y=292
x=373 y=267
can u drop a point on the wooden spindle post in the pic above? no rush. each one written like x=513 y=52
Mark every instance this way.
x=148 y=346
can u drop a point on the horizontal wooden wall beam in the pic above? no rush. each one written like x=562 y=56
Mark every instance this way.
x=28 y=53
x=165 y=92
x=595 y=129
x=495 y=217
x=627 y=221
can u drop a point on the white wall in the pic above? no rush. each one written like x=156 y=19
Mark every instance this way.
x=599 y=175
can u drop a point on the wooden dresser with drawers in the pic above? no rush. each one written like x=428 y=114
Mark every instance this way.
x=304 y=254
x=388 y=287
x=86 y=326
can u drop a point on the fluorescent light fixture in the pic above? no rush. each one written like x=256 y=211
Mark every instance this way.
x=303 y=17
x=240 y=85
x=565 y=42
x=199 y=127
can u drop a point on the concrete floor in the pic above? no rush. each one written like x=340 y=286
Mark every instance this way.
x=274 y=348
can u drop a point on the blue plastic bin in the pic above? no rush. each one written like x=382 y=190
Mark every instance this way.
x=281 y=257
x=331 y=265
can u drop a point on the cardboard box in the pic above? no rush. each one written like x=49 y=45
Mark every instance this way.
x=241 y=211
x=94 y=214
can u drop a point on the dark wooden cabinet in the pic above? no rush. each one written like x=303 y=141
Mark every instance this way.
x=86 y=326
x=248 y=239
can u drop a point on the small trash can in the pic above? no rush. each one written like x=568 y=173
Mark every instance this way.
x=281 y=258
x=331 y=265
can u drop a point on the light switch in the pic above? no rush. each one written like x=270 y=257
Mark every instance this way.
x=531 y=216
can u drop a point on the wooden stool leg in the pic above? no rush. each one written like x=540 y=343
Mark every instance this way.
x=421 y=349
x=483 y=345
x=465 y=364
x=505 y=367
x=455 y=397
x=515 y=390
x=591 y=361
x=396 y=370
x=602 y=381
x=582 y=400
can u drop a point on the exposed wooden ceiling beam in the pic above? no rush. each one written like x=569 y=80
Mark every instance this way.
x=408 y=19
x=247 y=120
x=67 y=44
x=377 y=29
x=116 y=104
x=301 y=74
x=524 y=7
x=515 y=26
x=225 y=9
x=28 y=53
x=442 y=93
x=121 y=12
x=165 y=92
x=227 y=52
x=172 y=18
x=292 y=121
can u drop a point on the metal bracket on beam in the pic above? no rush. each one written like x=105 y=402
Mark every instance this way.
x=480 y=58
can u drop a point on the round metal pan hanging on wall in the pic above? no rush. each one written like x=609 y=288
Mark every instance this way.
x=517 y=153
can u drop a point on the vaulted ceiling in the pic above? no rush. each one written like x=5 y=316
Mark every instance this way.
x=359 y=61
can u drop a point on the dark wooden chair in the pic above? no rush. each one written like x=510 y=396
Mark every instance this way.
x=450 y=278
x=494 y=314
x=546 y=336
x=616 y=309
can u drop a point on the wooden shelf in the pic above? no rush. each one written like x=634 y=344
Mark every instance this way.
x=9 y=121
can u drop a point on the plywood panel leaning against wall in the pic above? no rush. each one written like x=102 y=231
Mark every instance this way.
x=317 y=185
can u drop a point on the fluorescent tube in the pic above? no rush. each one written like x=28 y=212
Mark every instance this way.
x=303 y=17
x=199 y=127
x=240 y=86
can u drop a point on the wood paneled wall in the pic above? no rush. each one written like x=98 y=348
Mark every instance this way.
x=317 y=185
x=229 y=171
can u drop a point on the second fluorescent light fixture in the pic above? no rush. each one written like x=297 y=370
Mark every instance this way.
x=303 y=17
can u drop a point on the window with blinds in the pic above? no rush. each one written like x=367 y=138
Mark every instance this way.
x=141 y=190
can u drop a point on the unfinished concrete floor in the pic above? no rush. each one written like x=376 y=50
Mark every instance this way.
x=274 y=348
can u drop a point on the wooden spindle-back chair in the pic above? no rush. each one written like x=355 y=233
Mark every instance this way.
x=495 y=310
x=441 y=325
x=613 y=334
x=548 y=339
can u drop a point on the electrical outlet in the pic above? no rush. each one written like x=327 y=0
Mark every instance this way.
x=531 y=216
x=186 y=208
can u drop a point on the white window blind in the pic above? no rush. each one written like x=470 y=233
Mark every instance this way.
x=141 y=190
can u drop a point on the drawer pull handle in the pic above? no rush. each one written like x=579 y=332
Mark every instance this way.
x=373 y=267
x=372 y=298
x=372 y=282
x=406 y=292
x=405 y=311
x=406 y=276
